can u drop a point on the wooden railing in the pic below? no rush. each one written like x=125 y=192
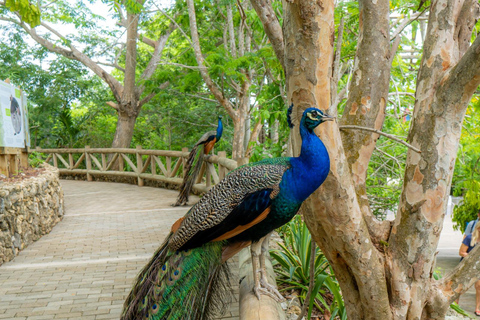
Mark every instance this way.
x=158 y=165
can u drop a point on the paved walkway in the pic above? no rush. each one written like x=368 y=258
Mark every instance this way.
x=85 y=267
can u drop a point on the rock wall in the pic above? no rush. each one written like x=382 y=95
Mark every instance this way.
x=29 y=209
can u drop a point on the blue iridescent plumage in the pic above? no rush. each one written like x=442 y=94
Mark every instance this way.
x=188 y=269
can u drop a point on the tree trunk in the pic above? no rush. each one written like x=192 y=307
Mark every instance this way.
x=384 y=279
x=238 y=144
x=128 y=107
x=124 y=130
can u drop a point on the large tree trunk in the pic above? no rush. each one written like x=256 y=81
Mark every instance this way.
x=128 y=107
x=385 y=271
x=124 y=130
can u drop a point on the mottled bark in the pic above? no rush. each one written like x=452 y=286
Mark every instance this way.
x=367 y=99
x=445 y=85
x=308 y=32
x=386 y=279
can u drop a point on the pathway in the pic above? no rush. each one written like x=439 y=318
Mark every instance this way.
x=85 y=267
x=448 y=258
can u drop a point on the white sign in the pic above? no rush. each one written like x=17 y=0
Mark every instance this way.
x=13 y=117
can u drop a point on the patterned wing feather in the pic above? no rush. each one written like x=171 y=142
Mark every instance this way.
x=206 y=137
x=229 y=194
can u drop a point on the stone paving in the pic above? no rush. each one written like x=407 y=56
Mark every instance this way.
x=85 y=267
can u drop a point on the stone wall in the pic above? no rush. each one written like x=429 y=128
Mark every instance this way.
x=29 y=209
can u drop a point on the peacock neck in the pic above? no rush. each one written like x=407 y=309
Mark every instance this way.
x=311 y=167
x=219 y=130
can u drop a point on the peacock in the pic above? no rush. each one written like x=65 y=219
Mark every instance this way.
x=187 y=276
x=195 y=161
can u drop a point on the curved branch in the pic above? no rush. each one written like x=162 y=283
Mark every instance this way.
x=74 y=54
x=460 y=279
x=157 y=53
x=200 y=61
x=405 y=23
x=272 y=27
x=349 y=127
x=175 y=23
x=462 y=81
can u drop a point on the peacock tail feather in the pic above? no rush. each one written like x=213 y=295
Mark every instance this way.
x=192 y=169
x=180 y=285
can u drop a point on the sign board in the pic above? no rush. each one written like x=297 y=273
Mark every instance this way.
x=13 y=117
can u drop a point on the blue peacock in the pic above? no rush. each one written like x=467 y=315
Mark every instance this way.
x=195 y=161
x=187 y=276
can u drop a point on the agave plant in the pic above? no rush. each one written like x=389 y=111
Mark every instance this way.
x=293 y=271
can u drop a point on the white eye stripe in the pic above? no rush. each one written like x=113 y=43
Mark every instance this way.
x=312 y=117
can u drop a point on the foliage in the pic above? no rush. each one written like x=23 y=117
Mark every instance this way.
x=468 y=208
x=29 y=12
x=35 y=159
x=466 y=179
x=57 y=91
x=293 y=269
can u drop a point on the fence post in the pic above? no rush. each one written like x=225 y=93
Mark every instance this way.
x=104 y=162
x=184 y=162
x=55 y=160
x=88 y=162
x=139 y=166
x=221 y=169
x=242 y=161
x=70 y=160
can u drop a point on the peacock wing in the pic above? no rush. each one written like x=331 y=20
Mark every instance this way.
x=238 y=200
x=206 y=137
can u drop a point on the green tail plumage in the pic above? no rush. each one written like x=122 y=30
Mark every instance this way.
x=183 y=285
x=192 y=168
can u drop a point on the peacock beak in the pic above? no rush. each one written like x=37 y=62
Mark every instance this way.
x=326 y=117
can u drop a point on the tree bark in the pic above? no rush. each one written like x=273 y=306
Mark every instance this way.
x=124 y=130
x=383 y=274
x=367 y=98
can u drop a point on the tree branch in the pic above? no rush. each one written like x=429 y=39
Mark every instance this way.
x=113 y=105
x=461 y=82
x=194 y=96
x=351 y=127
x=272 y=27
x=468 y=16
x=254 y=137
x=157 y=53
x=73 y=54
x=200 y=61
x=153 y=94
x=113 y=65
x=179 y=28
x=405 y=22
x=461 y=278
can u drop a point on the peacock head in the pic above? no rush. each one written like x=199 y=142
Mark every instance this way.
x=312 y=117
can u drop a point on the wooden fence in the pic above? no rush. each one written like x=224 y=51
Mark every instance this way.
x=158 y=165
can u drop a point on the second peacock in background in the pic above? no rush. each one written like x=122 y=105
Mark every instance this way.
x=195 y=161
